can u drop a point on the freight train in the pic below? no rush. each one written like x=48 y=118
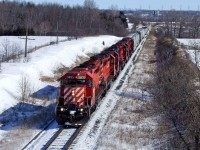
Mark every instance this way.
x=82 y=87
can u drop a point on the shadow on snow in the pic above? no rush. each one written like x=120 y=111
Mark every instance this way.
x=49 y=92
x=17 y=115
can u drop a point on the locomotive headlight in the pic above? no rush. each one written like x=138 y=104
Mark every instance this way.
x=61 y=109
x=73 y=93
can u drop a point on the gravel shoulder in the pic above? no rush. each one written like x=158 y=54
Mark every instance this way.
x=129 y=125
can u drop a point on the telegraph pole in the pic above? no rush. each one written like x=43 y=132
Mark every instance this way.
x=26 y=39
x=57 y=34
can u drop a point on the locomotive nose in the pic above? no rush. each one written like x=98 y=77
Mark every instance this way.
x=74 y=95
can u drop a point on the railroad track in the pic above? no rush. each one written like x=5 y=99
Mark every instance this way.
x=63 y=138
x=40 y=133
x=54 y=137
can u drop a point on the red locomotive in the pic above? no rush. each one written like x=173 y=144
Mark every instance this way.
x=83 y=86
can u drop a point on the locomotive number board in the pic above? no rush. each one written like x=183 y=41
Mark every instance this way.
x=81 y=77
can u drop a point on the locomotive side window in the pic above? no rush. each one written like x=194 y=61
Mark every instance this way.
x=89 y=83
x=63 y=83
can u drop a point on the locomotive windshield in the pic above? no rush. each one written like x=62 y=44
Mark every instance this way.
x=72 y=82
x=76 y=81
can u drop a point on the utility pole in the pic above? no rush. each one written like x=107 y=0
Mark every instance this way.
x=57 y=34
x=26 y=41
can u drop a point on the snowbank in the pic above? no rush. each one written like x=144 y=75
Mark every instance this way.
x=43 y=62
x=194 y=54
x=189 y=42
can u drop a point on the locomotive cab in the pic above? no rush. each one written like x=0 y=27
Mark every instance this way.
x=73 y=100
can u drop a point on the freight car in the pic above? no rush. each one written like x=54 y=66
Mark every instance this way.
x=136 y=39
x=82 y=87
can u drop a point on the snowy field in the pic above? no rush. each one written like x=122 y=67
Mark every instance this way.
x=44 y=62
x=189 y=42
x=130 y=25
x=194 y=54
x=33 y=41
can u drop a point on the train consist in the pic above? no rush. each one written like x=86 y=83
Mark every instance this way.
x=83 y=86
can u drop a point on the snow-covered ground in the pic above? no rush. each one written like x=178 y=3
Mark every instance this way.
x=130 y=25
x=194 y=53
x=120 y=122
x=189 y=42
x=33 y=41
x=95 y=132
x=44 y=62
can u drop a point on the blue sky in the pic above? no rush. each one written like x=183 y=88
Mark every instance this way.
x=133 y=4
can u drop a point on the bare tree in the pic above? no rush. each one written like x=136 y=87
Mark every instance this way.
x=15 y=52
x=47 y=18
x=45 y=27
x=24 y=89
x=6 y=47
x=90 y=4
x=177 y=96
x=197 y=56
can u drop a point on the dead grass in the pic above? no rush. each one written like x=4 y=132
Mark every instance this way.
x=152 y=61
x=47 y=79
x=62 y=69
x=19 y=134
x=163 y=129
x=80 y=60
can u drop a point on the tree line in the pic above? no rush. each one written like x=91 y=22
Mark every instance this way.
x=179 y=23
x=55 y=19
x=176 y=93
x=182 y=24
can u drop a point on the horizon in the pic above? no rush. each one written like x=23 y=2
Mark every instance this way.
x=178 y=5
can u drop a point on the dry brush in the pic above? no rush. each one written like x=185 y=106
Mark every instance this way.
x=176 y=97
